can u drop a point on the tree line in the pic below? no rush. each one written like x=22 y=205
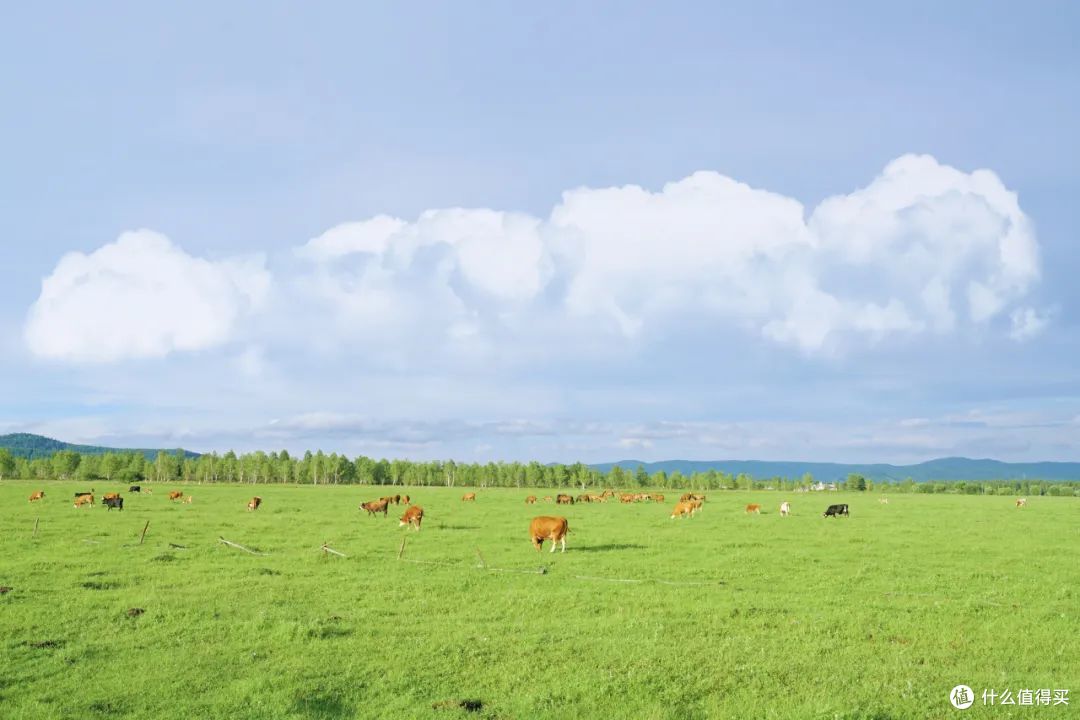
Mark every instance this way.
x=333 y=469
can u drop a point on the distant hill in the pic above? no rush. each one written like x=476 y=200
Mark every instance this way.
x=36 y=446
x=954 y=468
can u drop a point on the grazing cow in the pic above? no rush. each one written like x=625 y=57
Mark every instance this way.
x=175 y=495
x=397 y=499
x=883 y=501
x=388 y=498
x=548 y=498
x=607 y=494
x=657 y=497
x=785 y=509
x=405 y=499
x=114 y=502
x=627 y=499
x=255 y=503
x=376 y=506
x=412 y=517
x=584 y=497
x=531 y=500
x=1021 y=502
x=564 y=500
x=189 y=499
x=84 y=499
x=836 y=510
x=550 y=528
x=149 y=491
x=37 y=495
x=468 y=497
x=110 y=496
x=753 y=508
x=683 y=509
x=135 y=488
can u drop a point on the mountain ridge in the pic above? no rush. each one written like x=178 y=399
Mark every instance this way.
x=31 y=446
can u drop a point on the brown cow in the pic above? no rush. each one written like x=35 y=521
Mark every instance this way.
x=683 y=509
x=753 y=508
x=548 y=498
x=1021 y=502
x=564 y=499
x=657 y=497
x=175 y=495
x=550 y=528
x=37 y=495
x=405 y=499
x=412 y=517
x=624 y=498
x=468 y=497
x=531 y=500
x=584 y=497
x=110 y=496
x=84 y=500
x=255 y=503
x=376 y=506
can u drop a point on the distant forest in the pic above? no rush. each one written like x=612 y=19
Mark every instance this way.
x=322 y=469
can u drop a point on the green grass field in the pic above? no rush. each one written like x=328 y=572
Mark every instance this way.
x=873 y=616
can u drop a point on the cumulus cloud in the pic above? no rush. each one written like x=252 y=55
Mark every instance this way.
x=923 y=248
x=141 y=297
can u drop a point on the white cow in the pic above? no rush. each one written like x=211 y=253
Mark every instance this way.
x=883 y=501
x=785 y=508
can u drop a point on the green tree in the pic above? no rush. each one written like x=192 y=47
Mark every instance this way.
x=7 y=463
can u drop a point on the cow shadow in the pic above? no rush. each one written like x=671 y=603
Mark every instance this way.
x=607 y=547
x=457 y=527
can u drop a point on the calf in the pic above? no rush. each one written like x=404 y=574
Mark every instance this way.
x=255 y=503
x=564 y=500
x=468 y=497
x=753 y=508
x=114 y=502
x=836 y=510
x=412 y=517
x=135 y=488
x=785 y=509
x=376 y=506
x=84 y=499
x=37 y=495
x=550 y=528
x=531 y=500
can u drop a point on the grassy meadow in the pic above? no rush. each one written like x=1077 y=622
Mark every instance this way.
x=873 y=616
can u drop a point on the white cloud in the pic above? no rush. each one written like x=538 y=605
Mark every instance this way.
x=141 y=297
x=923 y=248
x=1027 y=323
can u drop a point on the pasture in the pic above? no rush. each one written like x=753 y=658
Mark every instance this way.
x=726 y=615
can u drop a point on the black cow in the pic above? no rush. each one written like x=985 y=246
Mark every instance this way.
x=115 y=502
x=836 y=510
x=135 y=488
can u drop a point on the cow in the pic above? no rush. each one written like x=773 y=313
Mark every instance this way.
x=84 y=499
x=110 y=496
x=657 y=497
x=388 y=498
x=883 y=501
x=114 y=502
x=531 y=500
x=1021 y=502
x=189 y=499
x=836 y=510
x=405 y=499
x=468 y=497
x=413 y=517
x=785 y=509
x=135 y=488
x=546 y=527
x=687 y=497
x=376 y=506
x=626 y=499
x=37 y=495
x=753 y=508
x=255 y=503
x=175 y=495
x=548 y=498
x=683 y=509
x=81 y=494
x=564 y=499
x=583 y=498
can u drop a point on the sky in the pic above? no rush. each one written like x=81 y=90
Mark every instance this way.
x=576 y=232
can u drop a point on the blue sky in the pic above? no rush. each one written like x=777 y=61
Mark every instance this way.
x=842 y=231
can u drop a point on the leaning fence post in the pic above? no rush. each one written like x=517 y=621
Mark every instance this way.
x=143 y=536
x=483 y=563
x=36 y=521
x=401 y=551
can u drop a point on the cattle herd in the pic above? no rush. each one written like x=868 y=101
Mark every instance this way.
x=543 y=527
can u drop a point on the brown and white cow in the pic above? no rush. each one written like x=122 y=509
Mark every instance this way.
x=753 y=508
x=37 y=495
x=1021 y=502
x=255 y=503
x=546 y=527
x=657 y=497
x=468 y=497
x=785 y=509
x=381 y=505
x=175 y=495
x=531 y=500
x=562 y=499
x=84 y=500
x=412 y=517
x=683 y=509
